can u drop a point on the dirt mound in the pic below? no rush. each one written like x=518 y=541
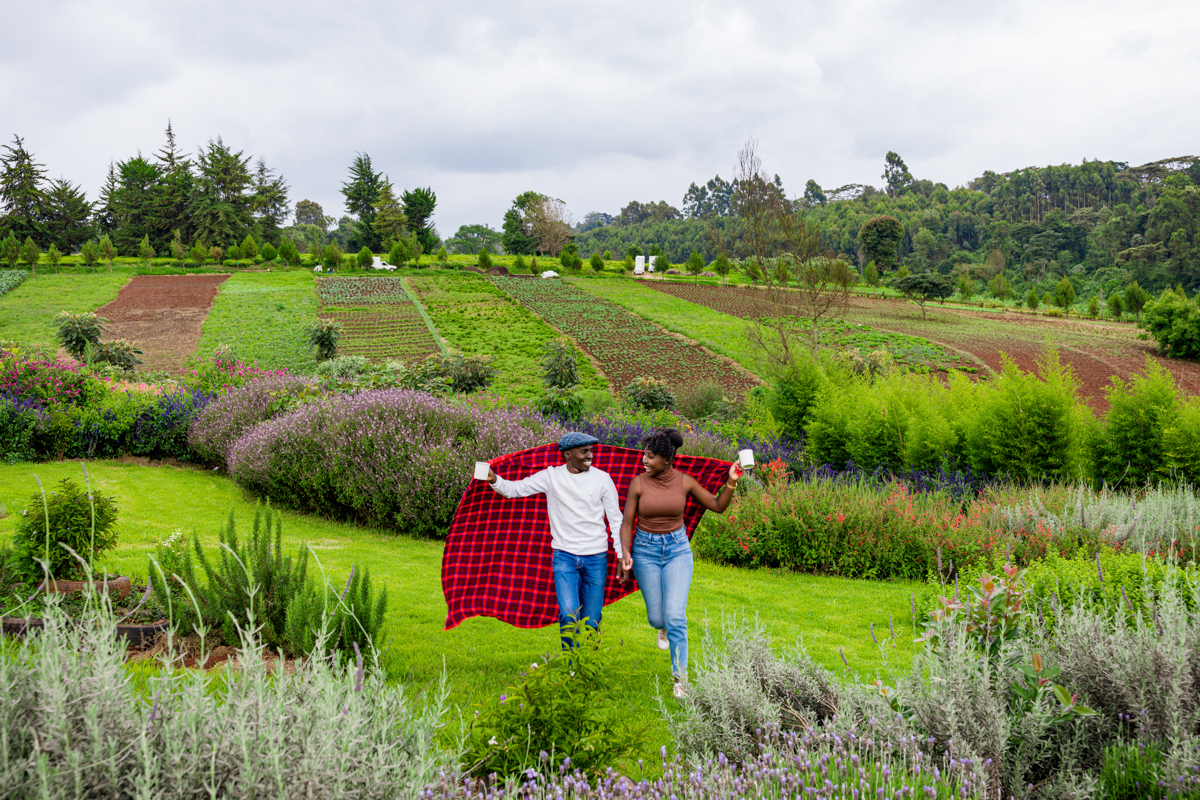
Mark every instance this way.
x=162 y=315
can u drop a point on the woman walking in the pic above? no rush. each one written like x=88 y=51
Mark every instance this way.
x=659 y=552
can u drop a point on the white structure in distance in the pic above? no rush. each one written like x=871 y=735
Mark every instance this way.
x=651 y=264
x=639 y=265
x=549 y=274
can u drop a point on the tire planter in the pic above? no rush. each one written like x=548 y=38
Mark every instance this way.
x=135 y=635
x=119 y=585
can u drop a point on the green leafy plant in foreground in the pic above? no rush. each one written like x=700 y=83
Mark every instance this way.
x=66 y=518
x=560 y=708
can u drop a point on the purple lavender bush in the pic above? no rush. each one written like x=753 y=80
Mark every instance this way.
x=390 y=458
x=223 y=422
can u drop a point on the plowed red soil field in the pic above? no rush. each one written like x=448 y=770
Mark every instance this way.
x=162 y=315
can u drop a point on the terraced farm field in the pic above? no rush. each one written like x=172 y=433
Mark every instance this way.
x=913 y=352
x=1096 y=350
x=379 y=319
x=625 y=345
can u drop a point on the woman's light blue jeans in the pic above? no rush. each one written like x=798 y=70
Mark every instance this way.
x=662 y=564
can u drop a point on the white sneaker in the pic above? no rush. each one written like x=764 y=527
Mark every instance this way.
x=680 y=690
x=663 y=642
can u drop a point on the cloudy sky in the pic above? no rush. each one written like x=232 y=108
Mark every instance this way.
x=600 y=104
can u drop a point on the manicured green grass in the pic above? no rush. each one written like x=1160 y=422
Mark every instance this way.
x=719 y=332
x=263 y=315
x=482 y=656
x=476 y=318
x=26 y=311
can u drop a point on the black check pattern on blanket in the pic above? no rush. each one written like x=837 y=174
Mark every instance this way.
x=497 y=557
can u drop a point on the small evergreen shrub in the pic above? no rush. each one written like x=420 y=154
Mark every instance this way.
x=76 y=332
x=649 y=393
x=559 y=366
x=596 y=262
x=324 y=336
x=485 y=259
x=467 y=373
x=70 y=516
x=701 y=401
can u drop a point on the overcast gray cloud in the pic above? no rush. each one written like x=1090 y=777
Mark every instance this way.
x=600 y=104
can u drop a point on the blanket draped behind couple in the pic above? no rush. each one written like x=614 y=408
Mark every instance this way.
x=497 y=557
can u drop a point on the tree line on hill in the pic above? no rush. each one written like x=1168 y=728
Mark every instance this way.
x=217 y=202
x=1101 y=224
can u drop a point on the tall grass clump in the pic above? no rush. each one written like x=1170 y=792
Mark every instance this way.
x=389 y=458
x=79 y=723
x=223 y=422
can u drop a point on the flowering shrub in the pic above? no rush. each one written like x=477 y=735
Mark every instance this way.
x=218 y=427
x=880 y=762
x=224 y=371
x=140 y=424
x=828 y=527
x=390 y=458
x=47 y=383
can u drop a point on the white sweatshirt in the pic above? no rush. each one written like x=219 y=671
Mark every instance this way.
x=577 y=503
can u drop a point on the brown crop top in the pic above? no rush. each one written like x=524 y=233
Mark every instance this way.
x=661 y=502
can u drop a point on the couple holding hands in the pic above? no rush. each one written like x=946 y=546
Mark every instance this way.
x=650 y=539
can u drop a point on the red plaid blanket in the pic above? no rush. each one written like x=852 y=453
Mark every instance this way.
x=497 y=557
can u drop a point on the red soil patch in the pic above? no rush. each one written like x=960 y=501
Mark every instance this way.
x=162 y=315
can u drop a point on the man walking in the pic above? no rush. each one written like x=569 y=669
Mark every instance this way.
x=578 y=498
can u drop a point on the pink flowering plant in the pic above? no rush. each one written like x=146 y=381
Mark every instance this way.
x=47 y=384
x=223 y=371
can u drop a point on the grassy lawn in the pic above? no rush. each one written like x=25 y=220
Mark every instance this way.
x=26 y=311
x=719 y=332
x=263 y=316
x=482 y=656
x=475 y=317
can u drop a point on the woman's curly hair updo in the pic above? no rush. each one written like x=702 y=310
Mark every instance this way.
x=663 y=442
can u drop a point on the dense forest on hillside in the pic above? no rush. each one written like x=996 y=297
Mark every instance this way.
x=1100 y=223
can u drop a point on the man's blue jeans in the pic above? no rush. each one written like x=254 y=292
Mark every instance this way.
x=579 y=585
x=662 y=564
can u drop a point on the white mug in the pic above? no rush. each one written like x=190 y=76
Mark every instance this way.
x=482 y=468
x=746 y=459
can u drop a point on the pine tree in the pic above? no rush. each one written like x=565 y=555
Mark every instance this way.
x=54 y=257
x=361 y=193
x=418 y=208
x=21 y=196
x=172 y=194
x=106 y=212
x=390 y=223
x=68 y=215
x=271 y=207
x=220 y=203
